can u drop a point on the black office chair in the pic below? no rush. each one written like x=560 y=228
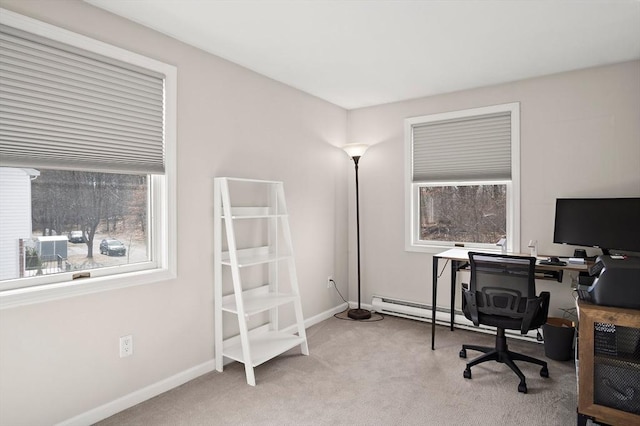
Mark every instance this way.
x=502 y=294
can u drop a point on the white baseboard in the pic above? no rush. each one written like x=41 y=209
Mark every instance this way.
x=127 y=401
x=324 y=315
x=109 y=409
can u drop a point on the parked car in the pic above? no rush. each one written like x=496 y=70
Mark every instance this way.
x=76 y=237
x=112 y=247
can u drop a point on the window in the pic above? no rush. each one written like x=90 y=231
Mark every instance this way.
x=462 y=178
x=87 y=164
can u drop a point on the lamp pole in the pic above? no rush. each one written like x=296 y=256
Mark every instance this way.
x=359 y=313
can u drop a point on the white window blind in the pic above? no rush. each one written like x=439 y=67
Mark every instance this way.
x=464 y=148
x=66 y=108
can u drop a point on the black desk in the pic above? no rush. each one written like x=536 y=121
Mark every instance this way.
x=459 y=259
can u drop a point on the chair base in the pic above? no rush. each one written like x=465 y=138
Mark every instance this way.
x=502 y=354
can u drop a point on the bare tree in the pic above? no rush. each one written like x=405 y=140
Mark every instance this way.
x=463 y=213
x=69 y=200
x=51 y=197
x=138 y=203
x=90 y=189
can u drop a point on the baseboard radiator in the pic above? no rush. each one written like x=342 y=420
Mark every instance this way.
x=422 y=312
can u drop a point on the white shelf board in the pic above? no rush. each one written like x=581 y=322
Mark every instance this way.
x=260 y=303
x=253 y=256
x=260 y=181
x=254 y=213
x=264 y=346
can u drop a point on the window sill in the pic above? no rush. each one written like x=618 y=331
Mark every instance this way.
x=47 y=293
x=439 y=248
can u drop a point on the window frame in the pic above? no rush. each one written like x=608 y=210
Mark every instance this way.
x=162 y=190
x=413 y=243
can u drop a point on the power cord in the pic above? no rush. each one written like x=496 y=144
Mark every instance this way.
x=336 y=288
x=342 y=315
x=443 y=268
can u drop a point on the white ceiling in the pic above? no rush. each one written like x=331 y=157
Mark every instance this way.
x=366 y=52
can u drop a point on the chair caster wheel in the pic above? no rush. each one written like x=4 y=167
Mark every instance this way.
x=522 y=387
x=467 y=373
x=544 y=372
x=463 y=353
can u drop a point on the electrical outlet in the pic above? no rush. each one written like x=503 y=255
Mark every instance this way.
x=329 y=281
x=126 y=346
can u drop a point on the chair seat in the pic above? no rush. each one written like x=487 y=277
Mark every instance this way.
x=505 y=322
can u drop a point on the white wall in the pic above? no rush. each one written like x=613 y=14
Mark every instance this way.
x=60 y=359
x=580 y=136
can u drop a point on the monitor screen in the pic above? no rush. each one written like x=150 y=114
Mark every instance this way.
x=607 y=223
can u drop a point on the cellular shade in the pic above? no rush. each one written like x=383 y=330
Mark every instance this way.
x=467 y=148
x=63 y=107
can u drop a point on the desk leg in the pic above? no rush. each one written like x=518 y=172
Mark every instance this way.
x=454 y=270
x=433 y=302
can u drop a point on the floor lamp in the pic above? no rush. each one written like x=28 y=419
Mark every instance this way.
x=356 y=151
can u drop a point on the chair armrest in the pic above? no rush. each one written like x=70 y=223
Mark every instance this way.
x=470 y=306
x=535 y=306
x=546 y=298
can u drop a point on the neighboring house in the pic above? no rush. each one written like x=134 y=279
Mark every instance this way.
x=15 y=218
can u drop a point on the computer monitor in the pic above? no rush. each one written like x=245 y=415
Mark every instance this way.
x=606 y=223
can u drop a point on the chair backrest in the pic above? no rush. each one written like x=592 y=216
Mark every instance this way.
x=502 y=284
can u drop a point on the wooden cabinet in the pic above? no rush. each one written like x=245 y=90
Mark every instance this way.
x=609 y=365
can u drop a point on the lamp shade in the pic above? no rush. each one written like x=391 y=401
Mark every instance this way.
x=355 y=149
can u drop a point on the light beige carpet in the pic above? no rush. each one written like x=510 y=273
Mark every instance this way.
x=374 y=373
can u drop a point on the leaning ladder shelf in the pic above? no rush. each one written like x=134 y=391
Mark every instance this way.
x=255 y=346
